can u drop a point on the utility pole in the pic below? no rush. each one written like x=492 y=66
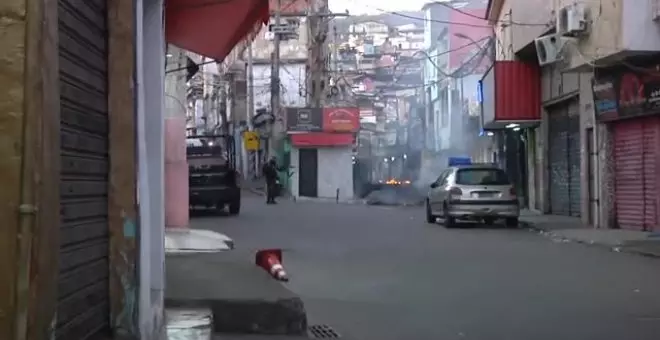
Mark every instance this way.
x=318 y=23
x=250 y=86
x=275 y=75
x=250 y=161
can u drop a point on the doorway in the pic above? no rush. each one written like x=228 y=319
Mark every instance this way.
x=308 y=172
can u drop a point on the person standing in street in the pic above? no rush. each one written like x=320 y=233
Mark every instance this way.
x=270 y=174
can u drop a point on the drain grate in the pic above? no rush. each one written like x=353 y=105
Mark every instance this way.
x=322 y=332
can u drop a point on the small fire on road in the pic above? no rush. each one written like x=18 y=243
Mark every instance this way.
x=394 y=181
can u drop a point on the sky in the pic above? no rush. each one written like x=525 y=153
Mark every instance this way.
x=357 y=7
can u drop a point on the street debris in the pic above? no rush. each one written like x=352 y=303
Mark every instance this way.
x=189 y=324
x=396 y=195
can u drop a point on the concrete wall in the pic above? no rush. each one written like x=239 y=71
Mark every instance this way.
x=151 y=166
x=531 y=18
x=335 y=171
x=13 y=73
x=640 y=32
x=295 y=167
x=292 y=49
x=512 y=38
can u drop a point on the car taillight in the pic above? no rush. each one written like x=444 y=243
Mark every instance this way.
x=455 y=192
x=513 y=192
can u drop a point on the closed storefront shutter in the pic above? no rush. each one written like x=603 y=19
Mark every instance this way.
x=635 y=149
x=83 y=290
x=574 y=194
x=564 y=159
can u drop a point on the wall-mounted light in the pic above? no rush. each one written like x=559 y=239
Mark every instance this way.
x=512 y=125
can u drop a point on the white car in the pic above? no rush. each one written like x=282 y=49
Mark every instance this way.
x=473 y=192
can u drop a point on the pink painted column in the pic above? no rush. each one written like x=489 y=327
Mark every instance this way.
x=176 y=174
x=176 y=164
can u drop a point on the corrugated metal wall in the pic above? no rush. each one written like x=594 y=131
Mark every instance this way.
x=83 y=305
x=517 y=91
x=564 y=159
x=636 y=147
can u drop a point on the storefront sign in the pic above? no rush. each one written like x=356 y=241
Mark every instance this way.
x=251 y=140
x=303 y=119
x=627 y=94
x=605 y=99
x=639 y=94
x=341 y=119
x=317 y=139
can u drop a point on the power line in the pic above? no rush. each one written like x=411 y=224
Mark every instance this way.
x=186 y=67
x=433 y=20
x=453 y=22
x=202 y=4
x=511 y=22
x=415 y=61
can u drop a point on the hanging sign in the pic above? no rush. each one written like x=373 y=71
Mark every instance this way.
x=251 y=140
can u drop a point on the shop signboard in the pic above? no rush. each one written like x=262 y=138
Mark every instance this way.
x=626 y=94
x=341 y=119
x=303 y=119
x=605 y=99
x=639 y=94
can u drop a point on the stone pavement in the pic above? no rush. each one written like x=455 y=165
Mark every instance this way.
x=571 y=229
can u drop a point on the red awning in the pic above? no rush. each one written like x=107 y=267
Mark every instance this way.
x=311 y=139
x=212 y=27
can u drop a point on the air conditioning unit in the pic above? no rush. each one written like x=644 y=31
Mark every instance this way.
x=572 y=20
x=549 y=49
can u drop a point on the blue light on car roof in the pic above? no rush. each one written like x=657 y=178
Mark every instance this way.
x=454 y=161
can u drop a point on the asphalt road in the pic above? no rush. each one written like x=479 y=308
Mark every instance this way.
x=375 y=273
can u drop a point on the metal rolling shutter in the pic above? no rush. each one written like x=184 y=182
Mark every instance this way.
x=564 y=159
x=573 y=154
x=83 y=306
x=635 y=173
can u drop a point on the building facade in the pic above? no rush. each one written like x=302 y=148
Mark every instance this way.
x=597 y=125
x=456 y=56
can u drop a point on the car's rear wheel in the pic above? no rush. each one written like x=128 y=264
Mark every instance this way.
x=511 y=222
x=235 y=207
x=449 y=221
x=430 y=218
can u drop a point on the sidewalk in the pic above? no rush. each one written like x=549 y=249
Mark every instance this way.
x=255 y=186
x=214 y=288
x=571 y=229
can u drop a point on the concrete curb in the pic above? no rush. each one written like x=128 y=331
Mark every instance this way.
x=328 y=200
x=617 y=249
x=256 y=191
x=242 y=298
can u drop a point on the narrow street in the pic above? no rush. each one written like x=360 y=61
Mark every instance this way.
x=374 y=273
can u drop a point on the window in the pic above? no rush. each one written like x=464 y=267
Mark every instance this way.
x=442 y=179
x=484 y=176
